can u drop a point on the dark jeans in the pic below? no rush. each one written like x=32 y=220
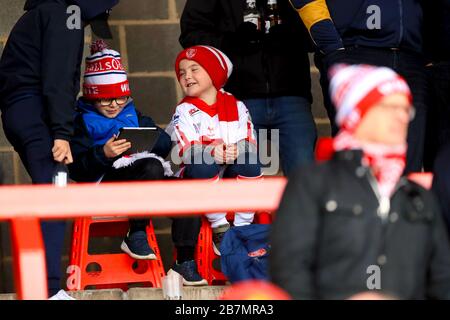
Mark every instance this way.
x=438 y=120
x=184 y=230
x=409 y=65
x=239 y=168
x=27 y=129
x=141 y=170
x=297 y=131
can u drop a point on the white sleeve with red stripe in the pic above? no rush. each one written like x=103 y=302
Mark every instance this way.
x=246 y=130
x=184 y=128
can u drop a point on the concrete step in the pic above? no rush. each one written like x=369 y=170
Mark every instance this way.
x=189 y=293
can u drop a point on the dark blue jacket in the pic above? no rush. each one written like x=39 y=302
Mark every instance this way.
x=90 y=162
x=335 y=24
x=43 y=57
x=245 y=253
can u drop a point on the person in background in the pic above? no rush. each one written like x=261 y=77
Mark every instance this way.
x=212 y=129
x=354 y=223
x=39 y=83
x=268 y=46
x=384 y=33
x=437 y=50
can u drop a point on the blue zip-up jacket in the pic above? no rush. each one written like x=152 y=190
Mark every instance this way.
x=90 y=162
x=335 y=24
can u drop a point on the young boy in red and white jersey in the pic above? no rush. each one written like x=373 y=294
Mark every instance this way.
x=212 y=129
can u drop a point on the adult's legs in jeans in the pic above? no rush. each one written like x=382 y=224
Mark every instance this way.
x=25 y=127
x=293 y=119
x=257 y=109
x=297 y=131
x=261 y=121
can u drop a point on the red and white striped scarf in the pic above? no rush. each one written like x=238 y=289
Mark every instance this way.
x=227 y=111
x=387 y=162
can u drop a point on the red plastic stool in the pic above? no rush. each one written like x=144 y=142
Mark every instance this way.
x=116 y=270
x=208 y=263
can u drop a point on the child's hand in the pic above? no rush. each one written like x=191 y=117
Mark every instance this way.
x=114 y=148
x=61 y=151
x=231 y=153
x=219 y=153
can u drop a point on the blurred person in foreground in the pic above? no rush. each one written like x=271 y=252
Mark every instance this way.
x=353 y=223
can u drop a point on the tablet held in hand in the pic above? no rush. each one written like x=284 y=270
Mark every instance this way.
x=142 y=139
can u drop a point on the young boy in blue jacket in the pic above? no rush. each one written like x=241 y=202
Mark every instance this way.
x=106 y=107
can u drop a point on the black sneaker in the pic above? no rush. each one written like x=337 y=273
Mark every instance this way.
x=136 y=246
x=188 y=270
x=218 y=236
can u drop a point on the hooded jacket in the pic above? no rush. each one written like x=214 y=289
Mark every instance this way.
x=91 y=9
x=43 y=57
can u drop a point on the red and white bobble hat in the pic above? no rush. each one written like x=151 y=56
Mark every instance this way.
x=214 y=61
x=105 y=76
x=356 y=88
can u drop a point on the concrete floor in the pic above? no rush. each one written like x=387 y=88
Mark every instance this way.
x=189 y=293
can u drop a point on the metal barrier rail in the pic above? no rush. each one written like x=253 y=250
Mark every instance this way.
x=24 y=206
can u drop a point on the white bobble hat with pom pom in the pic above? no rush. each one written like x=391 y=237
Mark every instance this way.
x=105 y=76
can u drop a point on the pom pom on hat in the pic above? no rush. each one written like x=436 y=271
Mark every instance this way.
x=98 y=46
x=105 y=76
x=214 y=61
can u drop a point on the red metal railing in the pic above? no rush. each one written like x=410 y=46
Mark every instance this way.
x=24 y=206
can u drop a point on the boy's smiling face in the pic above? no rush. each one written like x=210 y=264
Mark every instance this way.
x=195 y=81
x=111 y=108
